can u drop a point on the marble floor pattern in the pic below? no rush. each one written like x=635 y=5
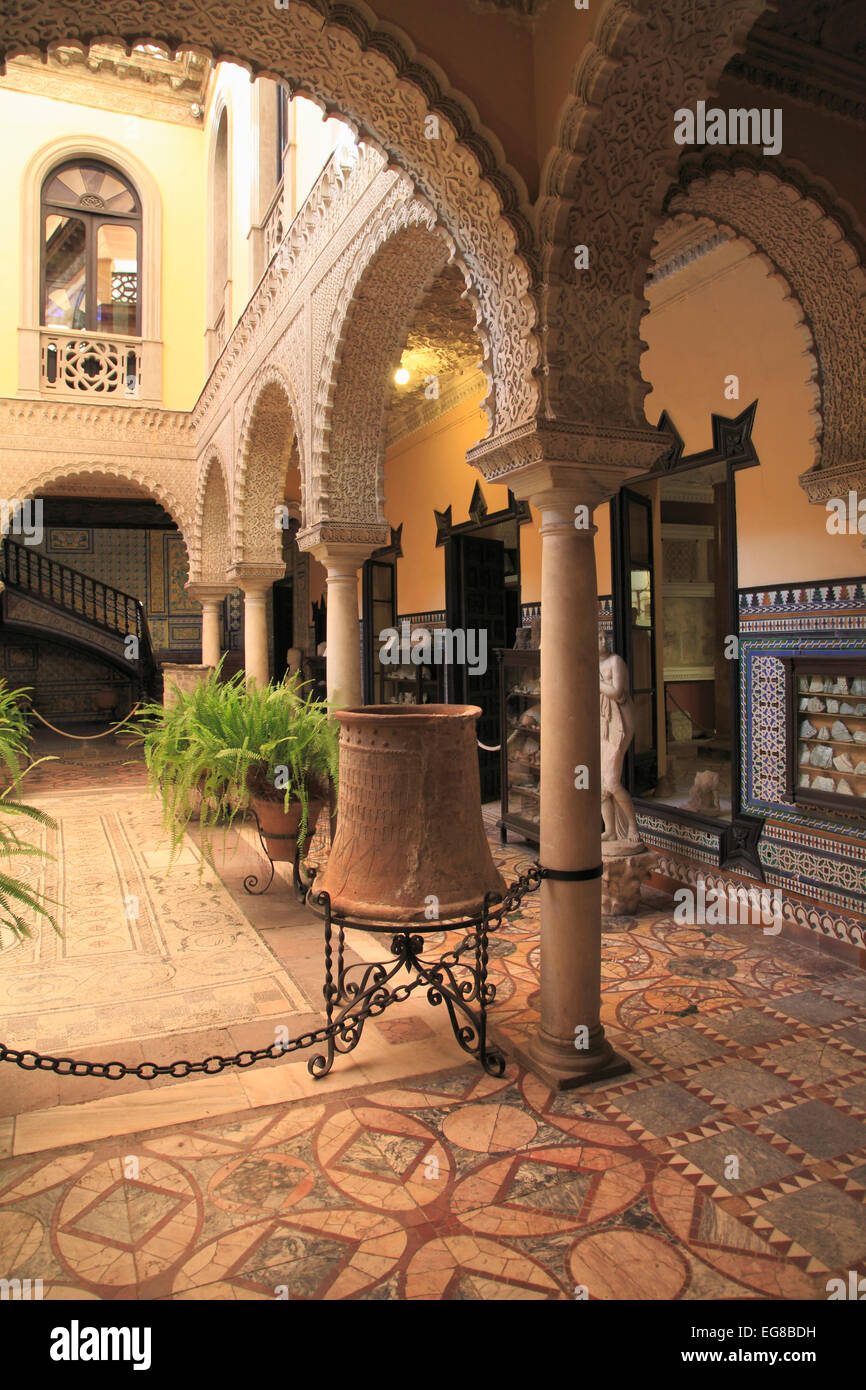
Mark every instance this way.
x=730 y=1163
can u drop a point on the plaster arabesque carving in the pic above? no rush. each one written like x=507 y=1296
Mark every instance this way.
x=603 y=188
x=210 y=556
x=783 y=213
x=373 y=78
x=397 y=258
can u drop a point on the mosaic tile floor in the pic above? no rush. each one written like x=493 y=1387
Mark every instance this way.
x=730 y=1163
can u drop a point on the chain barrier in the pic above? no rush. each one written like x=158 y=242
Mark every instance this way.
x=28 y=1060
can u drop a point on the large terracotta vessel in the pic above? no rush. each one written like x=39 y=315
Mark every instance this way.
x=410 y=843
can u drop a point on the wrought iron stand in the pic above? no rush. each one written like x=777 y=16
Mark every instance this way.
x=457 y=979
x=251 y=882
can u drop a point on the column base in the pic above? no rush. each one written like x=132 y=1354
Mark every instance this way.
x=561 y=1066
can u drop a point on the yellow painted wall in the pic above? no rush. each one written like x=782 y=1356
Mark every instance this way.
x=735 y=320
x=424 y=473
x=428 y=472
x=173 y=154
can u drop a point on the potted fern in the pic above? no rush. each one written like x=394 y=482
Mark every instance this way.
x=223 y=750
x=17 y=899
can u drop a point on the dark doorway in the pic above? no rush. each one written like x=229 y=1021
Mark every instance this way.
x=634 y=629
x=284 y=626
x=476 y=602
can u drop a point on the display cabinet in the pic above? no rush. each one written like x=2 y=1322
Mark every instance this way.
x=520 y=722
x=826 y=729
x=412 y=685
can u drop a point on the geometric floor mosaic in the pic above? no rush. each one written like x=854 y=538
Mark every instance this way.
x=729 y=1164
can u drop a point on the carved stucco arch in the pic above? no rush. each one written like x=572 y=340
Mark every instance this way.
x=375 y=80
x=116 y=470
x=270 y=425
x=212 y=534
x=604 y=186
x=400 y=255
x=811 y=241
x=800 y=325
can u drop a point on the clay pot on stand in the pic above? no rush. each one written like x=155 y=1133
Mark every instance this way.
x=279 y=827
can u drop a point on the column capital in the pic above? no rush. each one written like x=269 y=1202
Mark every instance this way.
x=255 y=578
x=344 y=539
x=208 y=593
x=554 y=458
x=822 y=484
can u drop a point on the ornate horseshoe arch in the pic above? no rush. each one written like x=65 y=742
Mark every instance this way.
x=603 y=188
x=121 y=471
x=811 y=241
x=211 y=548
x=270 y=422
x=399 y=255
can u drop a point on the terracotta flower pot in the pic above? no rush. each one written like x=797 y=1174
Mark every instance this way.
x=280 y=827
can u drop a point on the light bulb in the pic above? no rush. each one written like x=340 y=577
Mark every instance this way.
x=401 y=376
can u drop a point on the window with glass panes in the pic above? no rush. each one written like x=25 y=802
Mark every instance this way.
x=91 y=250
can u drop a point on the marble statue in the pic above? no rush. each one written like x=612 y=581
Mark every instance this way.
x=617 y=732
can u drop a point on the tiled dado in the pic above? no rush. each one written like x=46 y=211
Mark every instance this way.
x=804 y=920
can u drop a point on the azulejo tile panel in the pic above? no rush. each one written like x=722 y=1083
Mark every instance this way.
x=806 y=851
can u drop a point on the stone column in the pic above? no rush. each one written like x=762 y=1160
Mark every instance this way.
x=343 y=563
x=567 y=470
x=211 y=597
x=256 y=632
x=256 y=582
x=570 y=1046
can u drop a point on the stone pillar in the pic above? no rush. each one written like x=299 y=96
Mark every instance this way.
x=211 y=597
x=343 y=563
x=570 y=1046
x=256 y=663
x=566 y=470
x=256 y=581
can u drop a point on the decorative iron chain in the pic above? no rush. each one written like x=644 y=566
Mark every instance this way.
x=29 y=1060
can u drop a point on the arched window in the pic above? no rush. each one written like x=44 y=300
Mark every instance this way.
x=91 y=250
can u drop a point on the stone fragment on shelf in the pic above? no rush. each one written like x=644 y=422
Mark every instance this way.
x=860 y=735
x=804 y=705
x=805 y=754
x=860 y=769
x=804 y=779
x=824 y=733
x=843 y=763
x=832 y=706
x=841 y=686
x=861 y=709
x=840 y=732
x=858 y=685
x=807 y=730
x=823 y=784
x=845 y=708
x=822 y=757
x=843 y=788
x=816 y=684
x=816 y=706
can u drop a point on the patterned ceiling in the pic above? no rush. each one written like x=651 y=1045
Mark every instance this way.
x=441 y=343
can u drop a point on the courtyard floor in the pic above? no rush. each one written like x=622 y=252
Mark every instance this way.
x=730 y=1163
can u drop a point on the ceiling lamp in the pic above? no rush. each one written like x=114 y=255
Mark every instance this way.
x=401 y=376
